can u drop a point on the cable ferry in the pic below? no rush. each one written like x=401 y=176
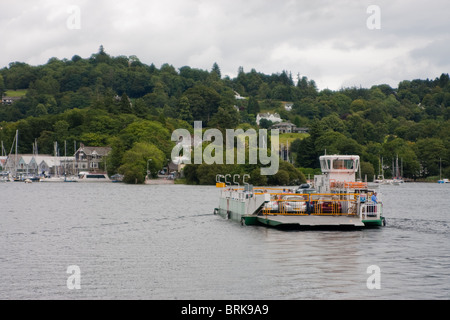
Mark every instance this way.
x=337 y=200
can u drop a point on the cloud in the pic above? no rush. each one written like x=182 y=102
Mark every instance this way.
x=327 y=41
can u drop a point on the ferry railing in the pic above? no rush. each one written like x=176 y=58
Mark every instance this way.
x=311 y=204
x=289 y=203
x=348 y=184
x=236 y=194
x=334 y=203
x=371 y=210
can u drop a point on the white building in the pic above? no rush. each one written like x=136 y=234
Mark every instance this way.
x=274 y=117
x=28 y=164
x=91 y=158
x=288 y=106
x=237 y=96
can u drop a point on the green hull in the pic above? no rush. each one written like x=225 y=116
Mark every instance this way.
x=249 y=220
x=375 y=223
x=306 y=222
x=310 y=222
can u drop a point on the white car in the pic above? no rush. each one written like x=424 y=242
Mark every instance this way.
x=293 y=204
x=271 y=206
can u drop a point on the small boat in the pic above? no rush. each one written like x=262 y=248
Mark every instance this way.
x=70 y=179
x=441 y=181
x=52 y=179
x=4 y=177
x=117 y=178
x=337 y=201
x=382 y=181
x=93 y=177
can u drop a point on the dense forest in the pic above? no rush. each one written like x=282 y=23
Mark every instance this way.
x=134 y=108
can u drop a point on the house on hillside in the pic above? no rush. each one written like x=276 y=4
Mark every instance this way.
x=9 y=100
x=91 y=159
x=288 y=106
x=274 y=117
x=288 y=127
x=237 y=96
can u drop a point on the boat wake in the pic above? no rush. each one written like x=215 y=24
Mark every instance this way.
x=420 y=225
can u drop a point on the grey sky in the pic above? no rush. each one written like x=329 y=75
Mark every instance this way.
x=327 y=41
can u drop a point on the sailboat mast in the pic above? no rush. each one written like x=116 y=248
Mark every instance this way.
x=401 y=172
x=397 y=172
x=15 y=156
x=65 y=157
x=56 y=157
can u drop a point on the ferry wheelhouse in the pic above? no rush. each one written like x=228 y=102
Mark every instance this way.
x=337 y=200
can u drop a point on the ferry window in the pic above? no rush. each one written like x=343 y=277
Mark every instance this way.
x=343 y=164
x=325 y=164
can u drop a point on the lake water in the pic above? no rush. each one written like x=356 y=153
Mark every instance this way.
x=163 y=242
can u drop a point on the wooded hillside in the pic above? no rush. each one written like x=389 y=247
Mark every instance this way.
x=134 y=108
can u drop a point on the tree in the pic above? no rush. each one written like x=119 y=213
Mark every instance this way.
x=135 y=162
x=306 y=107
x=265 y=124
x=429 y=152
x=216 y=70
x=287 y=175
x=40 y=110
x=184 y=109
x=204 y=102
x=256 y=178
x=2 y=85
x=253 y=106
x=281 y=178
x=61 y=128
x=190 y=173
x=147 y=131
x=226 y=118
x=125 y=104
x=367 y=170
x=207 y=173
x=140 y=108
x=406 y=154
x=101 y=56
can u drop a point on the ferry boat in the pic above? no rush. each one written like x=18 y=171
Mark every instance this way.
x=338 y=200
x=93 y=177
